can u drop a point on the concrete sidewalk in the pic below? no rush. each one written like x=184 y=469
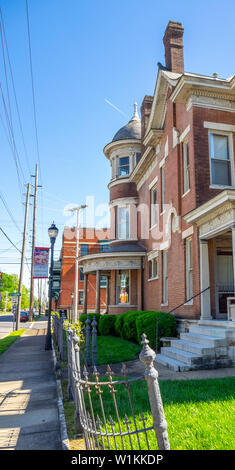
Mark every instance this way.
x=29 y=418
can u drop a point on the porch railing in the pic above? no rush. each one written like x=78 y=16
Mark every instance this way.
x=173 y=310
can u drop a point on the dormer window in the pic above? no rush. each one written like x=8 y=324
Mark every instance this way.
x=124 y=166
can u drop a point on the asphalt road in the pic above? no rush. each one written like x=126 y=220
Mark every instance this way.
x=7 y=325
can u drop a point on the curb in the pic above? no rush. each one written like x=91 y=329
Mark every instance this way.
x=63 y=427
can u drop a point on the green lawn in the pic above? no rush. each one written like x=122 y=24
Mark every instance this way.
x=200 y=413
x=6 y=342
x=112 y=350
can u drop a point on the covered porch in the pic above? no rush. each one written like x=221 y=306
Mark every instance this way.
x=122 y=267
x=216 y=226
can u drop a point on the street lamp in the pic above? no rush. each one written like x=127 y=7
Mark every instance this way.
x=52 y=232
x=76 y=209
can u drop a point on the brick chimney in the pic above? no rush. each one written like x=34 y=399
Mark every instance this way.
x=173 y=42
x=145 y=113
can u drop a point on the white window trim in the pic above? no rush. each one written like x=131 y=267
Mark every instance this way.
x=118 y=224
x=189 y=302
x=124 y=303
x=152 y=258
x=231 y=156
x=184 y=134
x=157 y=207
x=185 y=142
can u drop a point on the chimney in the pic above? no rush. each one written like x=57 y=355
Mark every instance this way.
x=173 y=42
x=145 y=113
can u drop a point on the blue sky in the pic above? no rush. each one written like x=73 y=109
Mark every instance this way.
x=86 y=53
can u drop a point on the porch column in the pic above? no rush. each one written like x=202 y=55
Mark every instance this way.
x=85 y=294
x=107 y=292
x=233 y=248
x=205 y=281
x=97 y=291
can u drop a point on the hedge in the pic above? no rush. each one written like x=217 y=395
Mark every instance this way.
x=107 y=325
x=146 y=323
x=84 y=317
x=129 y=330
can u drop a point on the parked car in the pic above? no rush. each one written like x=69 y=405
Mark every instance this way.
x=24 y=316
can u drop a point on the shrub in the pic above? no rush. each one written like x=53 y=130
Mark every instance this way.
x=107 y=325
x=119 y=324
x=129 y=330
x=146 y=323
x=84 y=317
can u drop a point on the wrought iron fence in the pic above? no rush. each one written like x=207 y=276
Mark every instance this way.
x=106 y=407
x=58 y=329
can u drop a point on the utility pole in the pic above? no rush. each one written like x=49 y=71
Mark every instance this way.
x=76 y=209
x=22 y=259
x=33 y=246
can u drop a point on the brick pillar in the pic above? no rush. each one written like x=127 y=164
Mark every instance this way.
x=85 y=293
x=97 y=291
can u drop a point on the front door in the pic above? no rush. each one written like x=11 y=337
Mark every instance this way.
x=225 y=283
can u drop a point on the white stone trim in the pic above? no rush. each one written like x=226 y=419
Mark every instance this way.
x=216 y=126
x=188 y=232
x=184 y=133
x=152 y=255
x=127 y=201
x=153 y=182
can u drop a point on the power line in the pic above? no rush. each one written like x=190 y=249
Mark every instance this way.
x=9 y=240
x=13 y=86
x=9 y=212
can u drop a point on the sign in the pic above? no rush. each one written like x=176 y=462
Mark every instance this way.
x=40 y=263
x=15 y=294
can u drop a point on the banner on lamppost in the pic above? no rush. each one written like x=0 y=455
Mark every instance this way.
x=40 y=262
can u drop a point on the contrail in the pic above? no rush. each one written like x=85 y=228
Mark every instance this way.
x=115 y=107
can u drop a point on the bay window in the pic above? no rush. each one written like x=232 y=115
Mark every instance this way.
x=124 y=166
x=122 y=287
x=123 y=222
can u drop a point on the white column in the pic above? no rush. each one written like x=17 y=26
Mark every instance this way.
x=205 y=281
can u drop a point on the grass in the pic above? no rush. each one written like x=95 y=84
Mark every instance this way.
x=112 y=350
x=6 y=342
x=200 y=413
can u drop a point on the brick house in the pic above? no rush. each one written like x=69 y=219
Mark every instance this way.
x=172 y=198
x=90 y=240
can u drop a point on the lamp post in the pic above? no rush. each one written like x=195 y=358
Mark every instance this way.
x=52 y=232
x=76 y=209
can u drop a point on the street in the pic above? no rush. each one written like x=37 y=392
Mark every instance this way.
x=7 y=325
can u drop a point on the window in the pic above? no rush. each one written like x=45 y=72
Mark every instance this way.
x=189 y=269
x=104 y=247
x=220 y=159
x=123 y=222
x=103 y=281
x=124 y=166
x=153 y=202
x=186 y=181
x=80 y=297
x=153 y=268
x=164 y=277
x=84 y=249
x=122 y=287
x=162 y=188
x=81 y=274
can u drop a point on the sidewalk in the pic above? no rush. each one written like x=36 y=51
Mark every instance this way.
x=28 y=395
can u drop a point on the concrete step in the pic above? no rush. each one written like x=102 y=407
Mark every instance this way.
x=171 y=363
x=211 y=341
x=198 y=349
x=209 y=331
x=181 y=355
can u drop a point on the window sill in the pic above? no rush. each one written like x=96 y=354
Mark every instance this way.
x=163 y=212
x=190 y=302
x=164 y=305
x=221 y=186
x=153 y=278
x=185 y=194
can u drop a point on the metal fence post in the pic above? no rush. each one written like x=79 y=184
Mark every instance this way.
x=147 y=356
x=61 y=342
x=69 y=344
x=88 y=334
x=94 y=342
x=77 y=394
